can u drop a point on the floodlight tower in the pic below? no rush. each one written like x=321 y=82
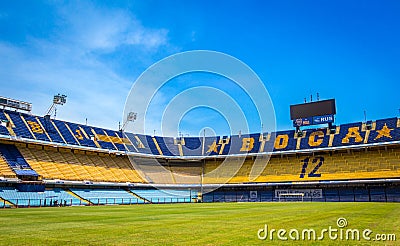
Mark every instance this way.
x=132 y=116
x=57 y=100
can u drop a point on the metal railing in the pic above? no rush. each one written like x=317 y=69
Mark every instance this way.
x=27 y=203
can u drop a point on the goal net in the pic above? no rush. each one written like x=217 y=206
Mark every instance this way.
x=291 y=197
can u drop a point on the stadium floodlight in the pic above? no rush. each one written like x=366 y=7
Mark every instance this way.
x=132 y=116
x=60 y=99
x=57 y=100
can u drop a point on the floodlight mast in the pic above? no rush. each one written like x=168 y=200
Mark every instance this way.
x=57 y=100
x=130 y=118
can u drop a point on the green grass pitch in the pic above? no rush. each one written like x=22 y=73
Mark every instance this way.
x=192 y=224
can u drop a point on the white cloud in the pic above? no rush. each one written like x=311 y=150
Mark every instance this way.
x=70 y=62
x=148 y=38
x=106 y=29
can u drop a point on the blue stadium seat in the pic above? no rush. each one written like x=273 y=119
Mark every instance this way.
x=120 y=146
x=84 y=139
x=257 y=143
x=225 y=147
x=391 y=123
x=209 y=142
x=344 y=130
x=167 y=146
x=305 y=142
x=145 y=149
x=69 y=138
x=103 y=144
x=193 y=146
x=51 y=130
x=4 y=204
x=36 y=128
x=238 y=142
x=3 y=129
x=20 y=128
x=36 y=199
x=235 y=143
x=291 y=145
x=107 y=196
x=151 y=144
x=16 y=161
x=39 y=128
x=166 y=195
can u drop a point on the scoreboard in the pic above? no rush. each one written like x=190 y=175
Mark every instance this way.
x=313 y=113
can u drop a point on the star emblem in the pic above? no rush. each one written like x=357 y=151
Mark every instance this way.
x=213 y=147
x=384 y=132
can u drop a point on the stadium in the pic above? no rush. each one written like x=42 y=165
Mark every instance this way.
x=47 y=161
x=52 y=163
x=216 y=145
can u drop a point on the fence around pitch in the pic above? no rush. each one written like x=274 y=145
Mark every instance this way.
x=158 y=200
x=26 y=203
x=22 y=203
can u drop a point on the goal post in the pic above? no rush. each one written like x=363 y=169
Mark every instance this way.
x=291 y=197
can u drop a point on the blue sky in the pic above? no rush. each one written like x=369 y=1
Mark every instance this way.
x=93 y=51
